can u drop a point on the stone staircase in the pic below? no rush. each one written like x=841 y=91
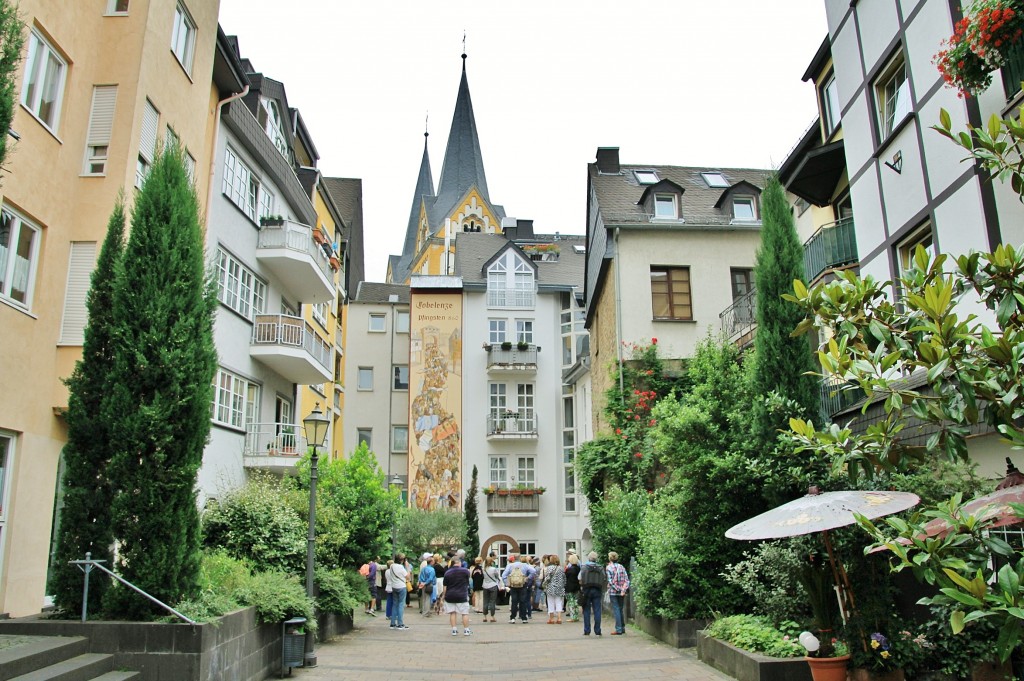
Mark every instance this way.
x=55 y=658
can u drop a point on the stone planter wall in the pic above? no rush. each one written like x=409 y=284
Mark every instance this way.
x=746 y=666
x=677 y=633
x=234 y=647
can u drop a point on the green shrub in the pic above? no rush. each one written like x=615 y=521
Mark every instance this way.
x=221 y=579
x=207 y=606
x=341 y=591
x=768 y=575
x=755 y=634
x=278 y=596
x=615 y=522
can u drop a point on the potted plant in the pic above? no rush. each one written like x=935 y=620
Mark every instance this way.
x=271 y=221
x=884 y=657
x=522 y=345
x=506 y=345
x=319 y=237
x=827 y=656
x=980 y=44
x=489 y=490
x=335 y=262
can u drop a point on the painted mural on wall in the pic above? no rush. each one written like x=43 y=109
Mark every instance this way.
x=435 y=407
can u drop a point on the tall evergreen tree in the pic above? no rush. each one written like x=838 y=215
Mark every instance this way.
x=472 y=519
x=158 y=405
x=780 y=360
x=12 y=39
x=85 y=516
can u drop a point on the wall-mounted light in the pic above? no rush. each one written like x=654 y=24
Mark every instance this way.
x=897 y=162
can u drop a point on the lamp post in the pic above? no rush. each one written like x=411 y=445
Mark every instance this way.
x=316 y=426
x=395 y=483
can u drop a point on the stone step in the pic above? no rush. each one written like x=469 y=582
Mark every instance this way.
x=38 y=651
x=84 y=667
x=118 y=676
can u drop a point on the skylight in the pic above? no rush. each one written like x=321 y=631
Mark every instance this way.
x=646 y=176
x=579 y=249
x=715 y=180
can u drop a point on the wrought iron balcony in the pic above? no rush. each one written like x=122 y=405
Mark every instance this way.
x=511 y=357
x=303 y=265
x=834 y=245
x=507 y=427
x=739 y=319
x=273 y=446
x=836 y=398
x=291 y=347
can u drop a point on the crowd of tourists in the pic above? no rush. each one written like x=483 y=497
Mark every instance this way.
x=452 y=585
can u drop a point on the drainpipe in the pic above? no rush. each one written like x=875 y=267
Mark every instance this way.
x=618 y=311
x=213 y=153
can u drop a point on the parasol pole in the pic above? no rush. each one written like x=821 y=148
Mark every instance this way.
x=841 y=579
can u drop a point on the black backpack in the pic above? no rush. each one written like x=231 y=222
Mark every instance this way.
x=593 y=575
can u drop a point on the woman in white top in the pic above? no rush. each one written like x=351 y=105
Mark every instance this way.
x=396 y=575
x=492 y=584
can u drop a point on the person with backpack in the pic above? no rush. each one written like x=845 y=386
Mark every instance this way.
x=618 y=585
x=515 y=577
x=592 y=583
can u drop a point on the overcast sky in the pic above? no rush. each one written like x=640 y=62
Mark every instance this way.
x=672 y=82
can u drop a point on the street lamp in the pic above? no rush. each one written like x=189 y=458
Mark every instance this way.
x=316 y=426
x=395 y=483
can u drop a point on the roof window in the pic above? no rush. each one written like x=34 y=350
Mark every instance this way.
x=715 y=180
x=646 y=176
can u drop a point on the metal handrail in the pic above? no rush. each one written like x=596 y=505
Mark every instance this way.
x=90 y=564
x=834 y=245
x=741 y=316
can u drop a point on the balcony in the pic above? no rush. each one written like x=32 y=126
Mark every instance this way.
x=297 y=260
x=739 y=319
x=523 y=427
x=289 y=346
x=274 y=447
x=514 y=503
x=834 y=245
x=1013 y=71
x=837 y=396
x=511 y=357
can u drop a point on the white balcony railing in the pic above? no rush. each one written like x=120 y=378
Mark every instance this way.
x=294 y=332
x=523 y=425
x=296 y=236
x=274 y=439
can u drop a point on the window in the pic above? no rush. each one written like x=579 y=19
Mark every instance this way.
x=378 y=323
x=715 y=180
x=235 y=400
x=499 y=471
x=364 y=381
x=646 y=176
x=665 y=206
x=319 y=388
x=238 y=287
x=19 y=256
x=670 y=293
x=526 y=471
x=743 y=209
x=830 y=114
x=742 y=281
x=906 y=249
x=190 y=166
x=496 y=330
x=525 y=404
x=270 y=119
x=320 y=314
x=527 y=548
x=147 y=143
x=524 y=331
x=892 y=94
x=6 y=456
x=497 y=400
x=80 y=265
x=45 y=72
x=244 y=188
x=365 y=435
x=400 y=375
x=183 y=37
x=402 y=321
x=101 y=124
x=510 y=282
x=400 y=439
x=117 y=7
x=570 y=491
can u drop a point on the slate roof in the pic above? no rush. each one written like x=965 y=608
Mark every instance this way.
x=474 y=250
x=463 y=163
x=617 y=195
x=347 y=193
x=372 y=292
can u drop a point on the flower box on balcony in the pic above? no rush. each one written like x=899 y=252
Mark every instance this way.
x=335 y=263
x=271 y=221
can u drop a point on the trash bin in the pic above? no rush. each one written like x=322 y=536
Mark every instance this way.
x=293 y=644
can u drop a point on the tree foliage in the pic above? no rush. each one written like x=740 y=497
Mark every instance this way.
x=85 y=516
x=158 y=403
x=472 y=543
x=12 y=40
x=422 y=530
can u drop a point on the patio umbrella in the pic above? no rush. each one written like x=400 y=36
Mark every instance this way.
x=820 y=512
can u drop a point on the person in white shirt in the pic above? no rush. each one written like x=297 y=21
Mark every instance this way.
x=396 y=576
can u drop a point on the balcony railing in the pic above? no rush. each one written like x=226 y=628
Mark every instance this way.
x=739 y=318
x=513 y=503
x=273 y=446
x=834 y=245
x=510 y=297
x=1013 y=71
x=511 y=357
x=301 y=263
x=290 y=346
x=523 y=426
x=834 y=398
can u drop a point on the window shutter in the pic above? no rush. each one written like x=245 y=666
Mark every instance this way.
x=80 y=266
x=101 y=119
x=150 y=123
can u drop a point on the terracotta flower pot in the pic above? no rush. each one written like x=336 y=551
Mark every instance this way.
x=828 y=668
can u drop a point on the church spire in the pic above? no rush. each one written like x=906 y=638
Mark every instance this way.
x=463 y=165
x=424 y=188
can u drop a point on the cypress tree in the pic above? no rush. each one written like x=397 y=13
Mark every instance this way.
x=159 y=401
x=780 y=361
x=85 y=517
x=472 y=519
x=11 y=41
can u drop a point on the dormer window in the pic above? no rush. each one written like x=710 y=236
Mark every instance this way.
x=511 y=281
x=830 y=105
x=273 y=125
x=646 y=177
x=715 y=180
x=665 y=207
x=743 y=209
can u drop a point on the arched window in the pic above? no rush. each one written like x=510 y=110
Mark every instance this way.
x=273 y=124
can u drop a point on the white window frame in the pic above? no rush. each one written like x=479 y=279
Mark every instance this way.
x=101 y=126
x=39 y=79
x=662 y=201
x=923 y=236
x=497 y=331
x=183 y=37
x=395 y=439
x=892 y=95
x=745 y=201
x=362 y=372
x=319 y=312
x=8 y=445
x=526 y=471
x=402 y=321
x=244 y=189
x=377 y=317
x=526 y=403
x=498 y=471
x=238 y=287
x=234 y=399
x=497 y=399
x=830 y=112
x=15 y=269
x=511 y=283
x=646 y=177
x=147 y=142
x=524 y=331
x=112 y=8
x=715 y=180
x=273 y=124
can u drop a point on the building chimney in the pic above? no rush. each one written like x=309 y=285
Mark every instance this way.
x=524 y=229
x=608 y=160
x=508 y=228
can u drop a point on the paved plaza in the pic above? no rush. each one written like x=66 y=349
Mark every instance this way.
x=534 y=651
